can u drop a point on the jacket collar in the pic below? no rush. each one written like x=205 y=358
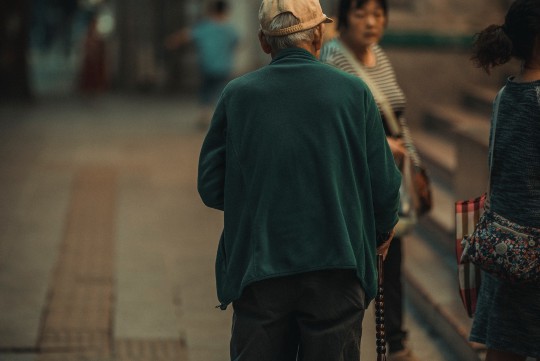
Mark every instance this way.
x=293 y=53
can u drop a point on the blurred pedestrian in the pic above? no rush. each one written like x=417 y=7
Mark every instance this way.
x=297 y=159
x=356 y=50
x=93 y=77
x=67 y=10
x=507 y=318
x=216 y=40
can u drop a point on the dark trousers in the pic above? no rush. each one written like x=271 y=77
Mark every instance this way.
x=307 y=317
x=393 y=297
x=211 y=88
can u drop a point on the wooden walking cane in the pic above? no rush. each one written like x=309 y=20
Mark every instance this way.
x=379 y=311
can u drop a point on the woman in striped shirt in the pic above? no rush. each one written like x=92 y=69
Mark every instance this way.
x=361 y=25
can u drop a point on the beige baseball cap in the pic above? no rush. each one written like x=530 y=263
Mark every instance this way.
x=309 y=12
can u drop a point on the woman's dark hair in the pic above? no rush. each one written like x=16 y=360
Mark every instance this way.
x=345 y=7
x=497 y=44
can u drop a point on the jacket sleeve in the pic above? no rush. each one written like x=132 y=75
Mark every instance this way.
x=212 y=161
x=385 y=175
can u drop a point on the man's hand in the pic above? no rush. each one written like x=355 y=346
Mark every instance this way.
x=383 y=248
x=398 y=150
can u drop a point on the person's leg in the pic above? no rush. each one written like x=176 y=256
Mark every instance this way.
x=330 y=313
x=497 y=355
x=264 y=328
x=206 y=105
x=393 y=298
x=217 y=84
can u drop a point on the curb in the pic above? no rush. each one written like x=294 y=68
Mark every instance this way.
x=453 y=334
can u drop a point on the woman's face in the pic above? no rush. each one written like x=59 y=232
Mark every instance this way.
x=366 y=24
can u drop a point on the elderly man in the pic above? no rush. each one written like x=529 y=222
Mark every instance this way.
x=297 y=158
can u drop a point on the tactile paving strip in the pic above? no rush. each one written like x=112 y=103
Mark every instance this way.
x=77 y=322
x=150 y=350
x=78 y=316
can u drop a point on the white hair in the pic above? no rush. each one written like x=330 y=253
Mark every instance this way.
x=282 y=21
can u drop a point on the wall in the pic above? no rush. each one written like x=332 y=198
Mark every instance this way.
x=430 y=76
x=143 y=24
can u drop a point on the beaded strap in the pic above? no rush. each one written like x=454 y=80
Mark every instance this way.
x=379 y=312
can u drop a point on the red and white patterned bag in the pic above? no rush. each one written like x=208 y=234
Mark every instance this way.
x=468 y=213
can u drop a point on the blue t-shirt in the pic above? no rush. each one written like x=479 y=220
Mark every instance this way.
x=215 y=44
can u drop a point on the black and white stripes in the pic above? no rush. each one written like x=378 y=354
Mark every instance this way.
x=383 y=76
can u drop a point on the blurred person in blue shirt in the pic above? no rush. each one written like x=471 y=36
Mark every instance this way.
x=215 y=39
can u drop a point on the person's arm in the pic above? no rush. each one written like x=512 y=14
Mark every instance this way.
x=385 y=176
x=178 y=38
x=212 y=162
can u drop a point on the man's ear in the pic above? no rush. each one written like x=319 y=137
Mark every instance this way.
x=318 y=37
x=318 y=40
x=264 y=44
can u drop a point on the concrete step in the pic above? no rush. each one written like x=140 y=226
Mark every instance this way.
x=479 y=99
x=430 y=270
x=430 y=273
x=431 y=286
x=442 y=213
x=455 y=143
x=438 y=154
x=444 y=118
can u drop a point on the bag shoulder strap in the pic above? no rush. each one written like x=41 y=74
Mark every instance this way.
x=492 y=144
x=390 y=116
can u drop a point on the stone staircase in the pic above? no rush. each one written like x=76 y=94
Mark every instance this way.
x=453 y=143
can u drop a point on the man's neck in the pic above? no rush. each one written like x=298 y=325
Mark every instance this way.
x=309 y=47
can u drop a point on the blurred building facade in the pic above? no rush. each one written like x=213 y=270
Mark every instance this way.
x=41 y=40
x=14 y=25
x=142 y=28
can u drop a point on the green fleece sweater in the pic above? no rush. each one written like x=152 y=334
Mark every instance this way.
x=297 y=158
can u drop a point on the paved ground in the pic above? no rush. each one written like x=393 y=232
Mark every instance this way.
x=106 y=252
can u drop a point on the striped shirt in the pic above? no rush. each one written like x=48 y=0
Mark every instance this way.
x=384 y=77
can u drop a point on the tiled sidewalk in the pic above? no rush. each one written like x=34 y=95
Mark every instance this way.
x=106 y=251
x=69 y=173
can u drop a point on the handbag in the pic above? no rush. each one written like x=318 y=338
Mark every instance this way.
x=408 y=216
x=505 y=249
x=415 y=191
x=468 y=213
x=499 y=246
x=422 y=187
x=379 y=311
